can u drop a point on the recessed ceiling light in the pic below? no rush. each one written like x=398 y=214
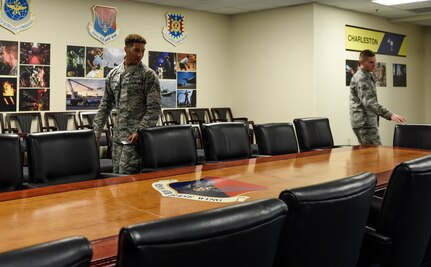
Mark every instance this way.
x=396 y=2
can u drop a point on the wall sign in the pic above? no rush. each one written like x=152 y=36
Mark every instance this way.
x=16 y=16
x=104 y=26
x=174 y=32
x=386 y=43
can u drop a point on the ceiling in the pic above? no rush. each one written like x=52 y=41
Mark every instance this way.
x=418 y=13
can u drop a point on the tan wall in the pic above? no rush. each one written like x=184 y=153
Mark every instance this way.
x=63 y=23
x=427 y=74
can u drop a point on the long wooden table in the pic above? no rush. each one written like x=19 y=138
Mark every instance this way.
x=98 y=209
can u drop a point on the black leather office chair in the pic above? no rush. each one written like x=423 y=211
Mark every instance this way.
x=226 y=141
x=400 y=223
x=67 y=252
x=59 y=121
x=11 y=172
x=313 y=133
x=176 y=116
x=200 y=115
x=63 y=157
x=167 y=147
x=241 y=235
x=413 y=136
x=275 y=138
x=326 y=223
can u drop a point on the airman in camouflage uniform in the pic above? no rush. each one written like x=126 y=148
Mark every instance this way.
x=364 y=107
x=134 y=90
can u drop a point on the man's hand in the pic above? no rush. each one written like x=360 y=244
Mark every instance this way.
x=397 y=118
x=133 y=139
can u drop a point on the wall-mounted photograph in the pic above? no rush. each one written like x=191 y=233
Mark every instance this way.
x=186 y=62
x=186 y=98
x=380 y=74
x=8 y=58
x=94 y=61
x=33 y=99
x=169 y=93
x=34 y=76
x=112 y=57
x=186 y=80
x=163 y=63
x=399 y=72
x=75 y=61
x=351 y=68
x=8 y=86
x=33 y=53
x=84 y=93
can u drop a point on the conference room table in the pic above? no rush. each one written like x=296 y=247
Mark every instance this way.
x=98 y=209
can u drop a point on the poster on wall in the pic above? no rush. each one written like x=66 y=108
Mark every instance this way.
x=8 y=58
x=75 y=56
x=351 y=68
x=33 y=99
x=34 y=76
x=104 y=26
x=186 y=62
x=169 y=93
x=83 y=93
x=177 y=75
x=9 y=90
x=163 y=63
x=399 y=73
x=186 y=98
x=112 y=57
x=16 y=16
x=380 y=42
x=175 y=32
x=94 y=60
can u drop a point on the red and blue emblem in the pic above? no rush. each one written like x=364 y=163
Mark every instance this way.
x=16 y=16
x=104 y=26
x=210 y=189
x=174 y=32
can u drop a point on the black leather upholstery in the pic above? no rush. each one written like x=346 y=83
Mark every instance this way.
x=313 y=133
x=413 y=135
x=326 y=223
x=11 y=172
x=63 y=157
x=59 y=121
x=169 y=146
x=242 y=235
x=225 y=141
x=176 y=116
x=275 y=138
x=404 y=217
x=67 y=252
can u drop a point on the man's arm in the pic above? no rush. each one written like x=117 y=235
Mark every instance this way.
x=105 y=107
x=152 y=89
x=369 y=99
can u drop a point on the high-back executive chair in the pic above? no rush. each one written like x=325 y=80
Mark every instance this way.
x=313 y=133
x=413 y=136
x=275 y=138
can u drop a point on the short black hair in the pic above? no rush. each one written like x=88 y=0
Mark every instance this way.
x=134 y=38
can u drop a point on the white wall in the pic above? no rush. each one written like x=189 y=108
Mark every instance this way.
x=291 y=63
x=427 y=72
x=63 y=23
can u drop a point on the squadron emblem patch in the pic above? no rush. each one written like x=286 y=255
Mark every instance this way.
x=209 y=189
x=174 y=32
x=104 y=26
x=16 y=16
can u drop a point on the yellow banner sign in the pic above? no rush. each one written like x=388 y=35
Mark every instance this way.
x=358 y=39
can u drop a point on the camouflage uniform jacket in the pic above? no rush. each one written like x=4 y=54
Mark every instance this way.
x=364 y=107
x=135 y=94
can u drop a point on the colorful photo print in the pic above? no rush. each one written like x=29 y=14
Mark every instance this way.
x=8 y=58
x=186 y=80
x=380 y=74
x=35 y=53
x=186 y=98
x=84 y=93
x=34 y=76
x=169 y=93
x=94 y=62
x=163 y=63
x=186 y=62
x=399 y=72
x=112 y=57
x=8 y=97
x=33 y=99
x=351 y=68
x=75 y=61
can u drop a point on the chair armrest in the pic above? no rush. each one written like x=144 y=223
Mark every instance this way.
x=85 y=126
x=375 y=248
x=49 y=128
x=240 y=119
x=170 y=123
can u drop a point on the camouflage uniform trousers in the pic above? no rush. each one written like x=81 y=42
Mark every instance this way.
x=368 y=136
x=125 y=158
